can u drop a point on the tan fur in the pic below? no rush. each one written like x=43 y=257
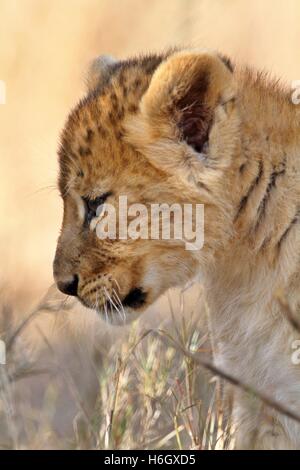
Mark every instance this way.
x=125 y=138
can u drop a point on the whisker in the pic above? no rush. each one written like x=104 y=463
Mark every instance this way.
x=120 y=303
x=106 y=313
x=69 y=185
x=65 y=301
x=97 y=301
x=117 y=284
x=49 y=188
x=113 y=303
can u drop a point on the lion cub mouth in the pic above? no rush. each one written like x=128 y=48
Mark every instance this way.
x=114 y=311
x=135 y=299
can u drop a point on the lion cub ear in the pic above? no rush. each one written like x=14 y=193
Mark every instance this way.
x=185 y=90
x=99 y=71
x=188 y=114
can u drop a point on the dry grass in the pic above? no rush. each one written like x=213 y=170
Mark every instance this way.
x=152 y=390
x=149 y=394
x=71 y=381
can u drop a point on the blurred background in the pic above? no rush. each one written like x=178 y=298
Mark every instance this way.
x=45 y=47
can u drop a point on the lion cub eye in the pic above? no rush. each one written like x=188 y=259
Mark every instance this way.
x=92 y=205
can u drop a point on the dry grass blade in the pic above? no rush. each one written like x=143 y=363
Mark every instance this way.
x=72 y=386
x=49 y=304
x=108 y=437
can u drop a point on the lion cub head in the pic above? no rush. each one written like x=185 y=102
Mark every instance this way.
x=151 y=131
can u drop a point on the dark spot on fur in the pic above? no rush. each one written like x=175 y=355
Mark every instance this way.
x=152 y=62
x=265 y=243
x=203 y=186
x=263 y=204
x=102 y=131
x=84 y=151
x=137 y=83
x=112 y=118
x=227 y=62
x=121 y=79
x=244 y=200
x=119 y=134
x=120 y=113
x=290 y=226
x=132 y=108
x=89 y=135
x=114 y=98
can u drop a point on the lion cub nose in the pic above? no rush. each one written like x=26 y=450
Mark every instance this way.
x=69 y=287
